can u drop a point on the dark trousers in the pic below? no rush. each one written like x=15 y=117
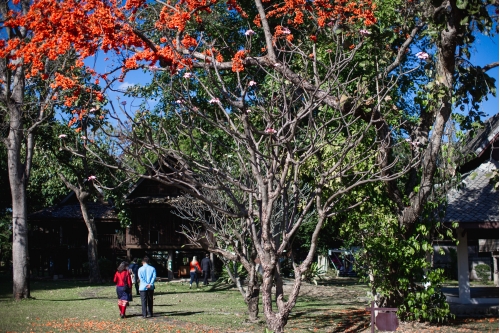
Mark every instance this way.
x=206 y=275
x=147 y=302
x=137 y=288
x=194 y=277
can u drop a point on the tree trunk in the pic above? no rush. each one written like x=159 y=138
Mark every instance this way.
x=275 y=320
x=20 y=251
x=94 y=272
x=253 y=303
x=93 y=257
x=17 y=181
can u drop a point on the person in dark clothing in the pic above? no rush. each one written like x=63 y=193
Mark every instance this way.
x=206 y=268
x=134 y=267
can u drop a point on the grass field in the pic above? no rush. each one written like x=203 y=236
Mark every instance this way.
x=73 y=306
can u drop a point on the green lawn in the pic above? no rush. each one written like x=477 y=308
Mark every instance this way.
x=73 y=306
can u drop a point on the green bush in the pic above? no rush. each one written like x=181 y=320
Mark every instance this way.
x=483 y=272
x=313 y=273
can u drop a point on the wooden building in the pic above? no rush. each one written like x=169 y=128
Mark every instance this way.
x=58 y=236
x=156 y=230
x=474 y=205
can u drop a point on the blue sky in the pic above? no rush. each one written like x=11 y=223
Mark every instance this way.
x=486 y=51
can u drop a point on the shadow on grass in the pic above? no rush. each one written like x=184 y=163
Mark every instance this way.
x=49 y=285
x=335 y=321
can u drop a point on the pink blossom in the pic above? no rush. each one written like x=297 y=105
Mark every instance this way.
x=414 y=144
x=364 y=32
x=188 y=75
x=329 y=51
x=249 y=32
x=179 y=101
x=84 y=137
x=62 y=136
x=214 y=101
x=285 y=31
x=92 y=178
x=92 y=110
x=252 y=83
x=248 y=110
x=270 y=131
x=422 y=55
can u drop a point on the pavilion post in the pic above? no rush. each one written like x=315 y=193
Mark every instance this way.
x=463 y=267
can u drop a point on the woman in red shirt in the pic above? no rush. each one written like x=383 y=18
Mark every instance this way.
x=123 y=287
x=194 y=268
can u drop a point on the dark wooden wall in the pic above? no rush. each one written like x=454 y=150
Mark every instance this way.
x=155 y=226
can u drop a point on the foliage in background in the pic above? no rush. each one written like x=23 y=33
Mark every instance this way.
x=5 y=238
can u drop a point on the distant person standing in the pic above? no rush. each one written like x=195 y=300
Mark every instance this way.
x=134 y=268
x=194 y=268
x=147 y=277
x=123 y=287
x=206 y=268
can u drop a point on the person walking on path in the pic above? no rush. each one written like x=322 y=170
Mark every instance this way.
x=206 y=268
x=134 y=267
x=194 y=268
x=123 y=287
x=147 y=277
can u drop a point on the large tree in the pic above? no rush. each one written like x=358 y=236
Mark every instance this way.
x=312 y=107
x=42 y=47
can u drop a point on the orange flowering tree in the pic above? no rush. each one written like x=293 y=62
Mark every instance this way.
x=46 y=42
x=300 y=125
x=294 y=88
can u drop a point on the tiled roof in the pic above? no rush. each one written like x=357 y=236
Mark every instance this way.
x=73 y=212
x=481 y=140
x=476 y=200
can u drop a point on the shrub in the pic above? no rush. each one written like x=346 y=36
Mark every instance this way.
x=483 y=272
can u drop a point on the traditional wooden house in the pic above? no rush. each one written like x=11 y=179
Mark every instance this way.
x=156 y=229
x=474 y=206
x=58 y=236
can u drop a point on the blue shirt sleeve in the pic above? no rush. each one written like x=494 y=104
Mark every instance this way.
x=153 y=276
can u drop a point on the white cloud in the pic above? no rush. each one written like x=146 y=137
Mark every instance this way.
x=124 y=85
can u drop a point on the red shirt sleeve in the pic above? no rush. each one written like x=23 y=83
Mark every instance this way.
x=116 y=279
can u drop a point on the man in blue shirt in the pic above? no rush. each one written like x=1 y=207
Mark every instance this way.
x=147 y=277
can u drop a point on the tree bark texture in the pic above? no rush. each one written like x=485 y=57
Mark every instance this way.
x=20 y=250
x=92 y=253
x=18 y=180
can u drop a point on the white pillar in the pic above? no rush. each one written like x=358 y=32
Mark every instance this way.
x=495 y=270
x=322 y=263
x=463 y=267
x=213 y=278
x=170 y=264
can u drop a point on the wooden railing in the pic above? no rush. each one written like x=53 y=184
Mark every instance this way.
x=110 y=240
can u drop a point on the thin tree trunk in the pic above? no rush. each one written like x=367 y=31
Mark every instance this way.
x=94 y=272
x=252 y=296
x=93 y=257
